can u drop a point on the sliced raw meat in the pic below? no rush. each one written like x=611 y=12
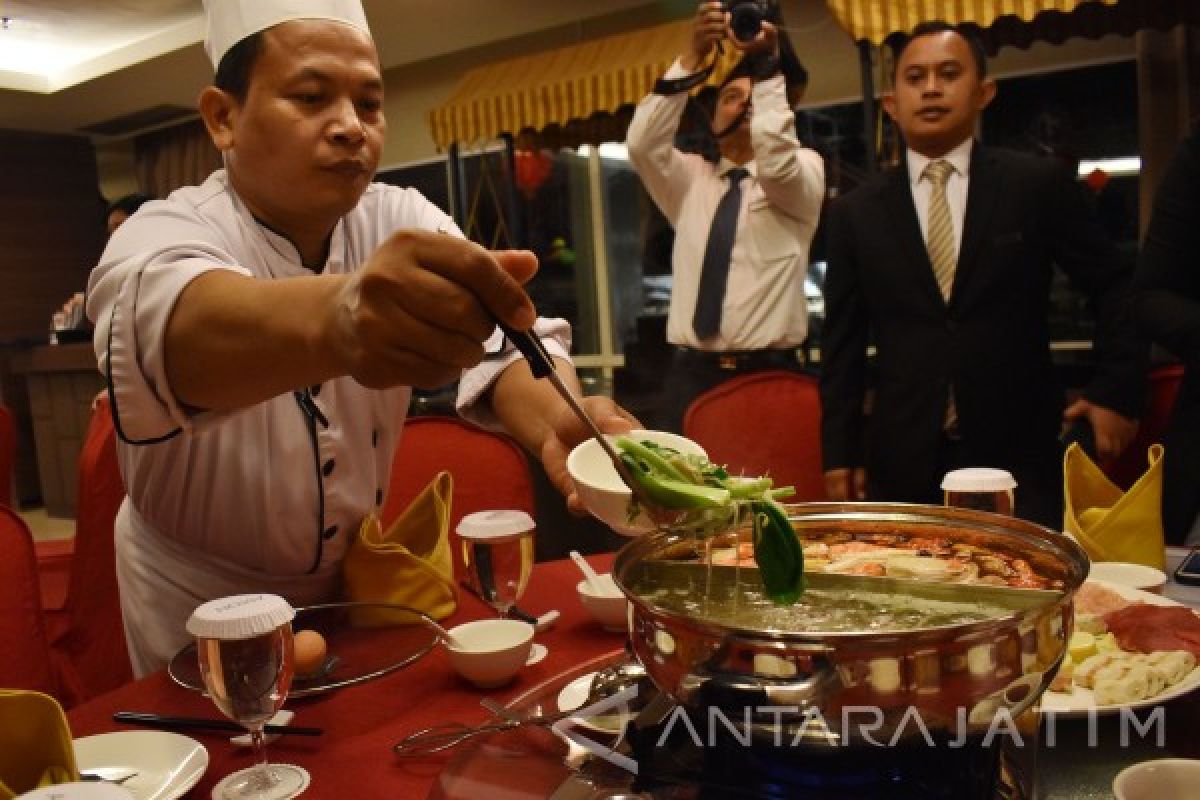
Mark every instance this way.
x=1092 y=598
x=1145 y=628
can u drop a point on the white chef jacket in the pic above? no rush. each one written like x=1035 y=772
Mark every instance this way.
x=765 y=306
x=264 y=498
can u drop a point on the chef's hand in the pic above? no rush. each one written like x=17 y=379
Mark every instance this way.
x=846 y=483
x=569 y=431
x=421 y=309
x=1113 y=431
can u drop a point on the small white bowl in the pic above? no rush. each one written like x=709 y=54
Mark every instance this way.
x=1158 y=780
x=1135 y=576
x=601 y=489
x=491 y=651
x=607 y=606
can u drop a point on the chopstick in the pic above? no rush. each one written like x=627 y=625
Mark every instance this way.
x=201 y=724
x=524 y=616
x=541 y=624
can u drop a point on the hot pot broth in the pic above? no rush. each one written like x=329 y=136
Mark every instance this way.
x=916 y=578
x=734 y=596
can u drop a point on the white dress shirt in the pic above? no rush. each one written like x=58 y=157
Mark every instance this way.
x=264 y=498
x=956 y=188
x=764 y=305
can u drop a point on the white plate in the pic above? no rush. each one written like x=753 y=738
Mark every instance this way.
x=575 y=693
x=536 y=654
x=167 y=764
x=1079 y=701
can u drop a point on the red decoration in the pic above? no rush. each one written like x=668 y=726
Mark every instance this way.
x=1096 y=180
x=532 y=168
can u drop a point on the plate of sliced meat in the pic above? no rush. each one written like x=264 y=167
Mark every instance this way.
x=1130 y=649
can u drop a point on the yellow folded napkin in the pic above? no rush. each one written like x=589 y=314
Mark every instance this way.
x=35 y=743
x=408 y=564
x=1112 y=525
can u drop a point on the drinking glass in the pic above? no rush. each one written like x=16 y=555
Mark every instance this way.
x=248 y=677
x=498 y=552
x=980 y=488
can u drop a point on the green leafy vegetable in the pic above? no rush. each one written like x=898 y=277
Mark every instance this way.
x=713 y=502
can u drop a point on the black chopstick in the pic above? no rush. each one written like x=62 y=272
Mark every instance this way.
x=200 y=724
x=513 y=611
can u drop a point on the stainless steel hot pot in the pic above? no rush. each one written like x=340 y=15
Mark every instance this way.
x=955 y=677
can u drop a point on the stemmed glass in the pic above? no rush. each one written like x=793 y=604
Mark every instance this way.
x=498 y=552
x=244 y=644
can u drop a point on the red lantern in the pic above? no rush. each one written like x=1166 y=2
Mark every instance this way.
x=532 y=169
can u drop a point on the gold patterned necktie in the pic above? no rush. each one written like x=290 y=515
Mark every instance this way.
x=939 y=240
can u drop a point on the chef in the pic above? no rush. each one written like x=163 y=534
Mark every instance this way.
x=260 y=332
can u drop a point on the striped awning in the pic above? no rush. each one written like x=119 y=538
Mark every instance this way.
x=1012 y=22
x=560 y=86
x=875 y=20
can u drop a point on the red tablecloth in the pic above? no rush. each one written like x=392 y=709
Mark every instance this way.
x=353 y=759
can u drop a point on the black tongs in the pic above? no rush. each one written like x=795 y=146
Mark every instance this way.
x=542 y=366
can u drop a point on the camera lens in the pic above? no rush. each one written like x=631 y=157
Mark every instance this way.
x=745 y=20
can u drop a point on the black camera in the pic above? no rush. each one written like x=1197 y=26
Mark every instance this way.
x=746 y=17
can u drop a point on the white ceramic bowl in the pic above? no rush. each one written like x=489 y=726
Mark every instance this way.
x=1158 y=780
x=608 y=606
x=490 y=651
x=1135 y=576
x=601 y=489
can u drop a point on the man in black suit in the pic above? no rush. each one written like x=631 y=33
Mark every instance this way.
x=944 y=264
x=1167 y=307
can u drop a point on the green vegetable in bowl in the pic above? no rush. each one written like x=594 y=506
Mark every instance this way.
x=713 y=501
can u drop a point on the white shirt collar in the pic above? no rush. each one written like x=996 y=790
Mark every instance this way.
x=959 y=158
x=724 y=165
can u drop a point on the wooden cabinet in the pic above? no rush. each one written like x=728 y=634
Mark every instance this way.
x=62 y=380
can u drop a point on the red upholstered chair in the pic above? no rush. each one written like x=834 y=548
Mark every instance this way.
x=764 y=423
x=26 y=663
x=89 y=645
x=1162 y=390
x=490 y=470
x=8 y=456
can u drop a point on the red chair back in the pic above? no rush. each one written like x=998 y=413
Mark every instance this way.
x=8 y=455
x=490 y=470
x=1163 y=388
x=764 y=423
x=91 y=649
x=26 y=663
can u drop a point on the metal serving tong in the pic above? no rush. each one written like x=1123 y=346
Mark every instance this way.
x=605 y=683
x=542 y=366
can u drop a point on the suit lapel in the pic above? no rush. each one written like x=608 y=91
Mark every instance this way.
x=983 y=187
x=902 y=215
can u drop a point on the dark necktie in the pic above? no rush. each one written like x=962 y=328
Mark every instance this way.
x=714 y=273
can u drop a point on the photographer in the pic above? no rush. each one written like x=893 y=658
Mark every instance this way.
x=743 y=225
